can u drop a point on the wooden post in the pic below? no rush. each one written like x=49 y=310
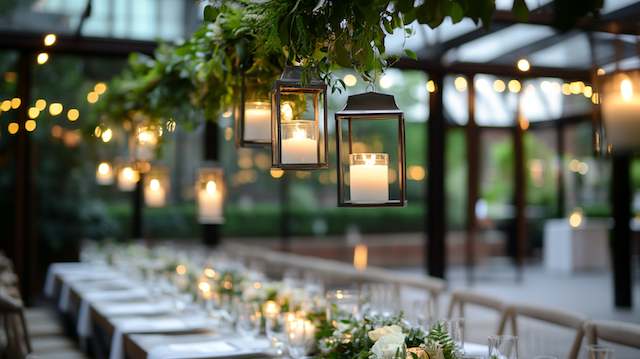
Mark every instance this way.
x=435 y=221
x=519 y=192
x=23 y=250
x=137 y=219
x=621 y=234
x=210 y=232
x=473 y=154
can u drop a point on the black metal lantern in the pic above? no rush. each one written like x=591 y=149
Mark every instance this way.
x=299 y=122
x=619 y=98
x=252 y=112
x=371 y=152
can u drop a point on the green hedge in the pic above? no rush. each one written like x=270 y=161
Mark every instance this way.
x=264 y=221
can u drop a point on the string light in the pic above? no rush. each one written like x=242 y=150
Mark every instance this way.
x=431 y=86
x=13 y=128
x=350 y=80
x=73 y=114
x=30 y=125
x=499 y=86
x=42 y=58
x=276 y=172
x=50 y=39
x=41 y=104
x=587 y=92
x=460 y=83
x=5 y=106
x=55 y=109
x=100 y=88
x=33 y=112
x=92 y=97
x=107 y=135
x=515 y=86
x=566 y=89
x=523 y=65
x=15 y=102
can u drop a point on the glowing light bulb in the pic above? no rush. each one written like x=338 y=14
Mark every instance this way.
x=104 y=168
x=575 y=219
x=92 y=97
x=73 y=114
x=460 y=83
x=30 y=125
x=15 y=103
x=41 y=104
x=55 y=109
x=42 y=58
x=100 y=88
x=50 y=39
x=626 y=89
x=499 y=86
x=13 y=128
x=128 y=173
x=350 y=80
x=431 y=86
x=107 y=135
x=523 y=65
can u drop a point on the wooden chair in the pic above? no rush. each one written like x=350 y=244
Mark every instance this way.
x=460 y=299
x=15 y=327
x=626 y=334
x=557 y=317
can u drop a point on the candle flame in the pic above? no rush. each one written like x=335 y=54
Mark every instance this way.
x=104 y=168
x=154 y=184
x=360 y=256
x=211 y=187
x=204 y=287
x=626 y=89
x=128 y=174
x=299 y=134
x=370 y=160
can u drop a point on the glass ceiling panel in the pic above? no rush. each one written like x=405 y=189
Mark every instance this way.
x=572 y=52
x=494 y=45
x=140 y=19
x=613 y=5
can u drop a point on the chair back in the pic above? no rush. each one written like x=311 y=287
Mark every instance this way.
x=462 y=298
x=617 y=332
x=557 y=317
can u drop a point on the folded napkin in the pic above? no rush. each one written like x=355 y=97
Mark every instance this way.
x=210 y=349
x=63 y=268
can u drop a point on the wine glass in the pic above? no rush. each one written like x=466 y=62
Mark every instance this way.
x=597 y=351
x=248 y=319
x=300 y=335
x=503 y=347
x=419 y=313
x=276 y=331
x=342 y=304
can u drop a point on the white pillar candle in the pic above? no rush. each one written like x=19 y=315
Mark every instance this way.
x=299 y=144
x=621 y=111
x=127 y=179
x=257 y=122
x=369 y=177
x=104 y=174
x=210 y=204
x=154 y=194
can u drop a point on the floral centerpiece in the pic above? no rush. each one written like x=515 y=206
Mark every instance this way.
x=383 y=338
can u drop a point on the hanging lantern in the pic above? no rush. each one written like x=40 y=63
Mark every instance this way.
x=619 y=95
x=155 y=188
x=371 y=152
x=104 y=174
x=252 y=113
x=299 y=122
x=210 y=191
x=146 y=141
x=128 y=176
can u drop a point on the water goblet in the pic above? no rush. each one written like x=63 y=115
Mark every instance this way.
x=597 y=351
x=503 y=347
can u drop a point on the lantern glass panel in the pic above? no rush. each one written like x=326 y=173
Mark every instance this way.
x=128 y=176
x=252 y=112
x=371 y=160
x=620 y=104
x=210 y=192
x=146 y=141
x=104 y=174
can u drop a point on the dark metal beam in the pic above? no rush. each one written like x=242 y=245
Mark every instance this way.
x=473 y=169
x=436 y=220
x=519 y=193
x=68 y=44
x=137 y=218
x=560 y=150
x=471 y=68
x=527 y=49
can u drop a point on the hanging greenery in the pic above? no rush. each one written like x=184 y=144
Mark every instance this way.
x=261 y=37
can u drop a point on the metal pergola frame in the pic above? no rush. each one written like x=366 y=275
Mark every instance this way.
x=23 y=248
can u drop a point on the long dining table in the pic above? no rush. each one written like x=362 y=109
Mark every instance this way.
x=117 y=317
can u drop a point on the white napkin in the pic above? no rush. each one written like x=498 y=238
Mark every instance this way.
x=211 y=349
x=84 y=319
x=475 y=349
x=146 y=325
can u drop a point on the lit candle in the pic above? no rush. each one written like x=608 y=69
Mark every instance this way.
x=104 y=174
x=369 y=177
x=270 y=309
x=127 y=179
x=154 y=194
x=205 y=290
x=360 y=255
x=621 y=111
x=299 y=144
x=210 y=203
x=257 y=121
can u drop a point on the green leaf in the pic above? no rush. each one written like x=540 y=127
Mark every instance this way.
x=410 y=54
x=210 y=13
x=456 y=12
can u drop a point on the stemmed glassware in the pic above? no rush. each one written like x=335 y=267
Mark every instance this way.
x=503 y=347
x=248 y=319
x=596 y=351
x=300 y=335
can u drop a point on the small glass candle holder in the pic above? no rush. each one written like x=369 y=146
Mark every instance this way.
x=128 y=177
x=299 y=142
x=210 y=190
x=156 y=188
x=369 y=177
x=104 y=174
x=342 y=304
x=618 y=129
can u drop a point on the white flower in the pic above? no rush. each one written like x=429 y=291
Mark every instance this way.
x=387 y=346
x=382 y=331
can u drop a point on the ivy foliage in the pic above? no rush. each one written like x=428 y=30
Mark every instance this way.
x=260 y=38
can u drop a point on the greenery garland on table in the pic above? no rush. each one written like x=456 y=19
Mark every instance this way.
x=260 y=38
